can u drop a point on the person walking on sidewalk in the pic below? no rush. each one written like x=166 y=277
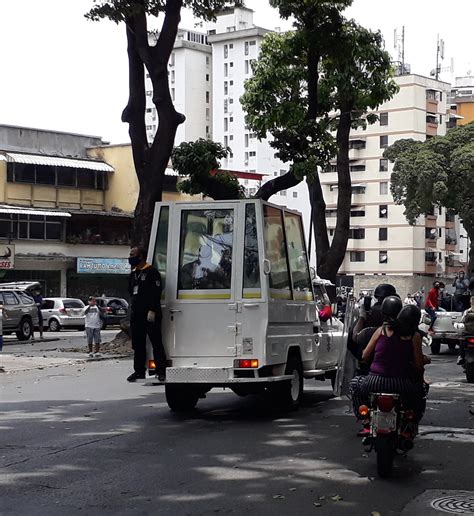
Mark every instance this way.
x=93 y=325
x=145 y=315
x=38 y=299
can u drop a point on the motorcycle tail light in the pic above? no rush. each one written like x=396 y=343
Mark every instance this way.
x=385 y=403
x=410 y=415
x=363 y=410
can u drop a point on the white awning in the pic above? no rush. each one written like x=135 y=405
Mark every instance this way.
x=13 y=210
x=38 y=159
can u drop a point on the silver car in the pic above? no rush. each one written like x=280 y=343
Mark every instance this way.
x=20 y=313
x=61 y=312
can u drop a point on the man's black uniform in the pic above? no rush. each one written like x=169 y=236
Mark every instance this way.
x=145 y=295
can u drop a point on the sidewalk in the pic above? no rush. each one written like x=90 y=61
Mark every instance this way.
x=15 y=363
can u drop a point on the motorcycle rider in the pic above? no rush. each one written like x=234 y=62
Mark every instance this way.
x=432 y=303
x=397 y=360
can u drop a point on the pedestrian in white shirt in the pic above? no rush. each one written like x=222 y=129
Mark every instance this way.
x=93 y=325
x=409 y=300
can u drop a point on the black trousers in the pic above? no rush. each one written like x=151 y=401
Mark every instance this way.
x=140 y=329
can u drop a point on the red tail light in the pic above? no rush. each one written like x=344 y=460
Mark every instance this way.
x=62 y=311
x=409 y=415
x=109 y=310
x=385 y=403
x=470 y=340
x=246 y=363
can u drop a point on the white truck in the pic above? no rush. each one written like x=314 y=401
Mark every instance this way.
x=239 y=309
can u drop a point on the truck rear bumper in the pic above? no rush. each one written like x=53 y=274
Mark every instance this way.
x=215 y=376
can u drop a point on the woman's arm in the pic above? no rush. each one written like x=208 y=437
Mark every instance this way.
x=418 y=356
x=369 y=350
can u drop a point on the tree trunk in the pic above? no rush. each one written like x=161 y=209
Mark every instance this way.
x=150 y=161
x=318 y=211
x=335 y=257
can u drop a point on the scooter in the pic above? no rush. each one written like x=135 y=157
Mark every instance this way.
x=392 y=429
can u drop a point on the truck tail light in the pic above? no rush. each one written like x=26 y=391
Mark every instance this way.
x=246 y=363
x=151 y=364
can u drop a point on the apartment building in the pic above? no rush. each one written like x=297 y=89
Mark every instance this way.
x=462 y=100
x=66 y=208
x=236 y=42
x=381 y=240
x=190 y=79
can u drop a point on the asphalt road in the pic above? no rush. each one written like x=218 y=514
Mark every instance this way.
x=79 y=439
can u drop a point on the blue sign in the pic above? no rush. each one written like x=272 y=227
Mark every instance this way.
x=103 y=266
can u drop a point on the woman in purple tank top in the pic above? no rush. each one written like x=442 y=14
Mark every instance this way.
x=397 y=361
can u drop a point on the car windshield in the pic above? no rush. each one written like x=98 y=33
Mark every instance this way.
x=73 y=303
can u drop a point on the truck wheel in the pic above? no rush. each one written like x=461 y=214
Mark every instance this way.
x=287 y=395
x=384 y=450
x=180 y=398
x=470 y=373
x=435 y=347
x=26 y=329
x=54 y=325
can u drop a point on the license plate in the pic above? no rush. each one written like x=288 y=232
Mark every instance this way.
x=384 y=420
x=121 y=312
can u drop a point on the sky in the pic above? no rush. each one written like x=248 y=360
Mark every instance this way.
x=60 y=71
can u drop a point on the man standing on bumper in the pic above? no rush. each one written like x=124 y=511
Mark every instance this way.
x=145 y=318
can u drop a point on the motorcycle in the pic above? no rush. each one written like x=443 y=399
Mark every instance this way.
x=468 y=342
x=392 y=429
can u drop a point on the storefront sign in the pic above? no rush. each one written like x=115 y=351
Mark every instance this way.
x=103 y=266
x=7 y=256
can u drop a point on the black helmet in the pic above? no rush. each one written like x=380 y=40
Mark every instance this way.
x=391 y=307
x=384 y=290
x=408 y=320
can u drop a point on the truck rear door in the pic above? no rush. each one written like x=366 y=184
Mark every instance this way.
x=200 y=311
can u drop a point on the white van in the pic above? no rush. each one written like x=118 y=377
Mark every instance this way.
x=238 y=303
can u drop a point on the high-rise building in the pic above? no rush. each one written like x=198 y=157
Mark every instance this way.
x=381 y=240
x=190 y=79
x=462 y=100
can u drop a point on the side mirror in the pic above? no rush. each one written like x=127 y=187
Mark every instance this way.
x=267 y=267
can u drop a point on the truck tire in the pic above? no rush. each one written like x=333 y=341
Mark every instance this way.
x=287 y=395
x=470 y=372
x=180 y=397
x=435 y=346
x=385 y=451
x=26 y=329
x=54 y=325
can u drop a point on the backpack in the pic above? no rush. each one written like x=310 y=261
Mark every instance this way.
x=469 y=323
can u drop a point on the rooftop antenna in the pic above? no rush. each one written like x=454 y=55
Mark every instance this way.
x=439 y=56
x=399 y=46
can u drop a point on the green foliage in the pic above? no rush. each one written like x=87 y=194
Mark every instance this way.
x=120 y=10
x=439 y=171
x=355 y=75
x=195 y=161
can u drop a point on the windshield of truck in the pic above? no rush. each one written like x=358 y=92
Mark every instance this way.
x=251 y=262
x=299 y=267
x=205 y=254
x=275 y=251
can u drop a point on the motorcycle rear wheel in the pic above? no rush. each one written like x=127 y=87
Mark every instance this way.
x=385 y=452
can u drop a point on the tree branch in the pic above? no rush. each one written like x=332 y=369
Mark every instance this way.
x=277 y=184
x=134 y=112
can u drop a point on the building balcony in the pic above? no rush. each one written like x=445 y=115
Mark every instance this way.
x=449 y=224
x=430 y=221
x=431 y=106
x=430 y=243
x=431 y=129
x=430 y=267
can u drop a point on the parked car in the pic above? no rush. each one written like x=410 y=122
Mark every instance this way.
x=59 y=312
x=444 y=329
x=115 y=309
x=20 y=314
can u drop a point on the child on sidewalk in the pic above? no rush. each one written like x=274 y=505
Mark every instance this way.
x=93 y=325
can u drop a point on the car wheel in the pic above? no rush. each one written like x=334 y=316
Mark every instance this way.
x=26 y=329
x=54 y=325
